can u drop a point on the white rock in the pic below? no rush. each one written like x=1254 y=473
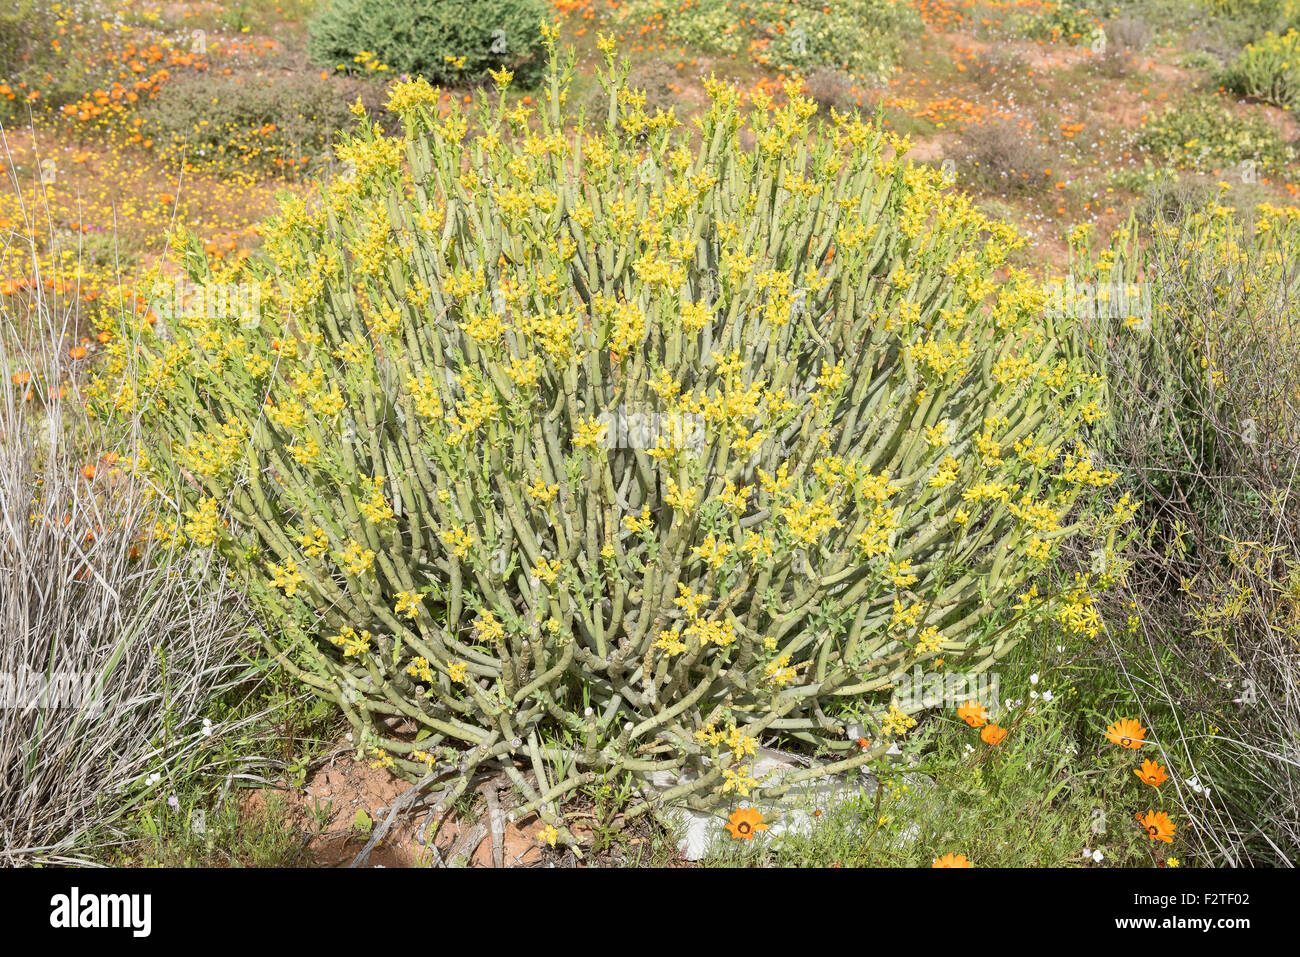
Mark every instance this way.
x=794 y=813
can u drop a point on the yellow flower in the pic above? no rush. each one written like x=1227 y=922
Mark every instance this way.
x=286 y=576
x=670 y=642
x=353 y=644
x=405 y=96
x=547 y=570
x=713 y=552
x=356 y=559
x=741 y=744
x=314 y=542
x=929 y=641
x=376 y=507
x=900 y=573
x=408 y=603
x=896 y=722
x=779 y=671
x=678 y=498
x=203 y=526
x=739 y=781
x=461 y=541
x=419 y=668
x=539 y=491
x=589 y=433
x=487 y=628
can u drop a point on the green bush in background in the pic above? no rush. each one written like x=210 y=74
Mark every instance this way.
x=449 y=42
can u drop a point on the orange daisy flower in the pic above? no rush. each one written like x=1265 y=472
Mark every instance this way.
x=744 y=822
x=992 y=734
x=973 y=713
x=1151 y=773
x=952 y=860
x=1158 y=826
x=1127 y=733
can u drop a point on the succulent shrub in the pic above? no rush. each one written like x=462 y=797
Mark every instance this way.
x=548 y=447
x=450 y=42
x=1268 y=70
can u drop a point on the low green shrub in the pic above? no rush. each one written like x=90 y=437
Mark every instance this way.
x=49 y=55
x=860 y=37
x=1202 y=134
x=449 y=42
x=1262 y=16
x=246 y=124
x=1065 y=22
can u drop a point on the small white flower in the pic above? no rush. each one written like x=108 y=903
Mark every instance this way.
x=1096 y=856
x=1047 y=696
x=1033 y=695
x=152 y=779
x=1060 y=648
x=206 y=730
x=173 y=802
x=1033 y=679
